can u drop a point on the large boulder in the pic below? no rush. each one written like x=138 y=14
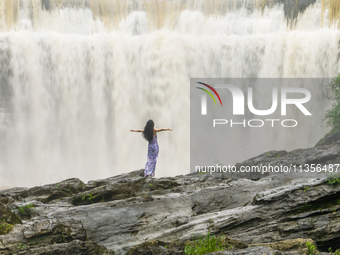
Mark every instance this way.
x=130 y=214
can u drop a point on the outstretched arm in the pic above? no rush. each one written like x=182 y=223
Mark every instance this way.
x=163 y=129
x=136 y=130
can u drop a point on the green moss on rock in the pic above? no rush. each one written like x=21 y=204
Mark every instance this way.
x=5 y=228
x=8 y=216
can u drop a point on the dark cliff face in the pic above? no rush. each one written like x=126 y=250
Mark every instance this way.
x=128 y=214
x=292 y=8
x=329 y=139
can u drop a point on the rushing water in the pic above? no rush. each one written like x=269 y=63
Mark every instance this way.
x=76 y=75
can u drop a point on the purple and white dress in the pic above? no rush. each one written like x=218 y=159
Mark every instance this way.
x=153 y=150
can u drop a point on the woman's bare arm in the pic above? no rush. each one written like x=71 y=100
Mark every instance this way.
x=162 y=129
x=136 y=130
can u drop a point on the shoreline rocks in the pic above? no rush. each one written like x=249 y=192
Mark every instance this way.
x=130 y=214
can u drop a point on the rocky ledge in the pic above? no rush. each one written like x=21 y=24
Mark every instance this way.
x=256 y=213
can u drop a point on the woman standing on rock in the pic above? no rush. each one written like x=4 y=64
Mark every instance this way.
x=149 y=133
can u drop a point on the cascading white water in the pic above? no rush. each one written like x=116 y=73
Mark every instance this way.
x=76 y=75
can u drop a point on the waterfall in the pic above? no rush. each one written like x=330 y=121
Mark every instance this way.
x=77 y=75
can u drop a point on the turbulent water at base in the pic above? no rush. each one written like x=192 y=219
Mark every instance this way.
x=77 y=75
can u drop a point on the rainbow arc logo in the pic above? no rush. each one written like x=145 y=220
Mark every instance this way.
x=209 y=93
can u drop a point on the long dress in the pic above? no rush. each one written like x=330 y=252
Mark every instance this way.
x=153 y=150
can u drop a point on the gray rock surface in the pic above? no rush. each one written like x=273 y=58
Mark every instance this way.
x=130 y=214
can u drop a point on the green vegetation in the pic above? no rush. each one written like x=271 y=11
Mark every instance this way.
x=333 y=115
x=63 y=238
x=306 y=189
x=204 y=245
x=337 y=252
x=333 y=179
x=5 y=227
x=87 y=197
x=311 y=249
x=22 y=246
x=330 y=205
x=314 y=207
x=25 y=209
x=203 y=172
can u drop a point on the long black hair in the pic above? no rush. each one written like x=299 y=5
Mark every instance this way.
x=148 y=130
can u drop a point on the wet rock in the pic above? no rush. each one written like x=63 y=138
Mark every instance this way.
x=6 y=215
x=298 y=245
x=292 y=8
x=71 y=248
x=329 y=139
x=254 y=251
x=129 y=214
